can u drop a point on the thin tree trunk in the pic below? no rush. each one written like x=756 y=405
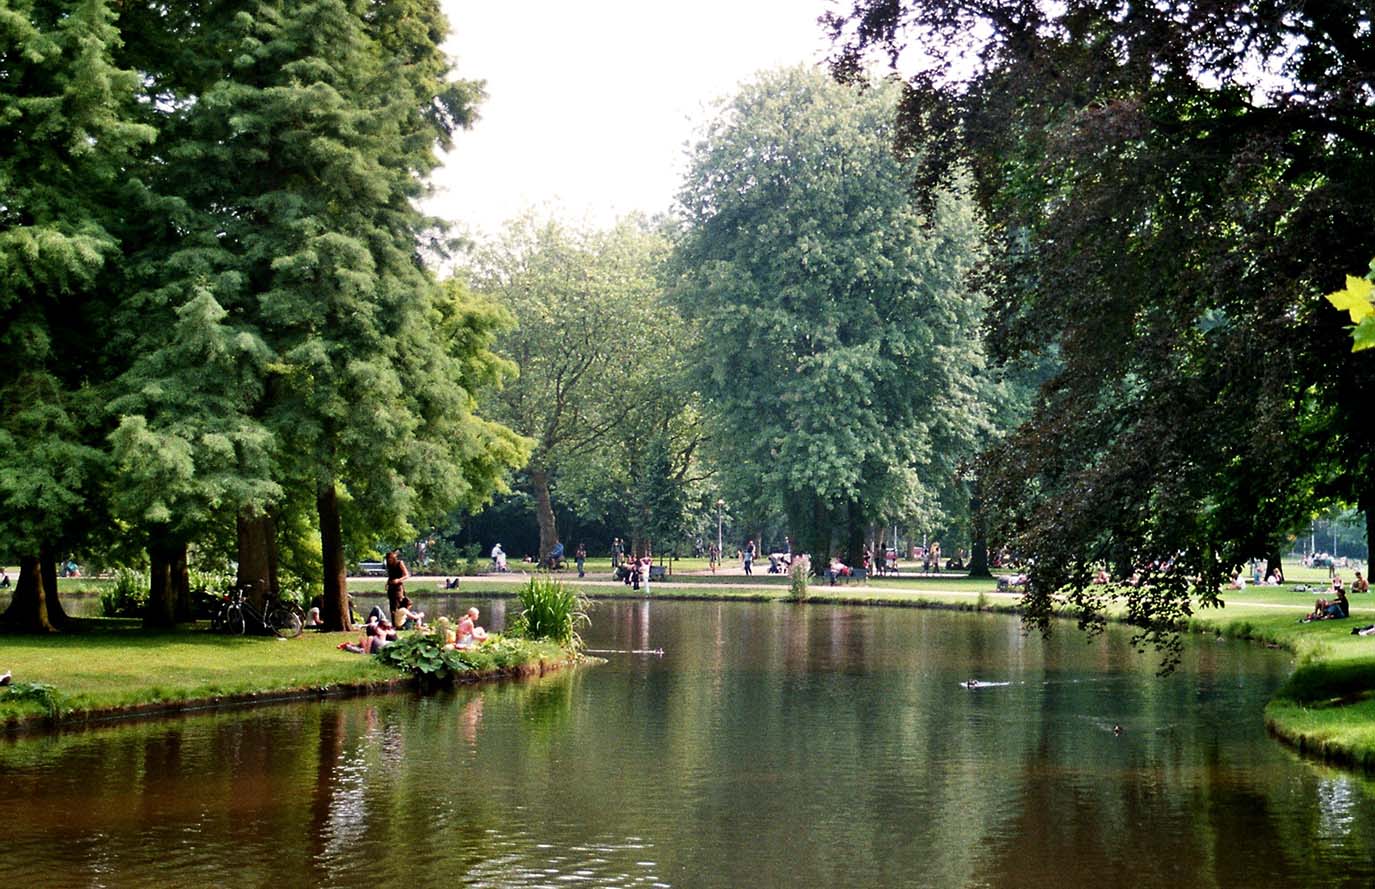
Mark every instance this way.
x=47 y=564
x=544 y=512
x=978 y=555
x=180 y=572
x=29 y=608
x=335 y=611
x=1366 y=504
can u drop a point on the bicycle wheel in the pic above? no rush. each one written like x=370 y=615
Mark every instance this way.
x=233 y=622
x=285 y=622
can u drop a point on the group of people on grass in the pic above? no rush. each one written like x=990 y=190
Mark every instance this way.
x=1338 y=607
x=381 y=631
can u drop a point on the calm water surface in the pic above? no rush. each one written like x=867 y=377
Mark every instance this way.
x=769 y=746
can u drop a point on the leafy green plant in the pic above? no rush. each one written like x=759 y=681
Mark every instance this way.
x=127 y=596
x=550 y=610
x=424 y=655
x=47 y=697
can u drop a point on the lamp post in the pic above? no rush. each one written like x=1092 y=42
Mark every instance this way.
x=720 y=505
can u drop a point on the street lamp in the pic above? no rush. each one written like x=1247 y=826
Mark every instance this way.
x=720 y=505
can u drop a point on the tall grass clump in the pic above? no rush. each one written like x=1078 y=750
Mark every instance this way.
x=799 y=574
x=127 y=596
x=550 y=610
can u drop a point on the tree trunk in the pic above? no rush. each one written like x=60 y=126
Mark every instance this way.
x=854 y=535
x=181 y=585
x=161 y=610
x=978 y=555
x=1366 y=503
x=544 y=512
x=820 y=534
x=47 y=564
x=1272 y=560
x=335 y=611
x=257 y=555
x=29 y=608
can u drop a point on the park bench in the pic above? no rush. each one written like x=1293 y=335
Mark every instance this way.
x=657 y=572
x=858 y=575
x=372 y=569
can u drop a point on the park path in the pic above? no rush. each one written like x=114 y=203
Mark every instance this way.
x=518 y=577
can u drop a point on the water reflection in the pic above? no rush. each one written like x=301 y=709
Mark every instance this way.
x=770 y=744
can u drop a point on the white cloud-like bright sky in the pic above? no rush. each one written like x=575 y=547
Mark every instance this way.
x=589 y=104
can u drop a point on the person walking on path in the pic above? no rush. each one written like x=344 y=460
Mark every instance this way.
x=580 y=556
x=748 y=557
x=615 y=552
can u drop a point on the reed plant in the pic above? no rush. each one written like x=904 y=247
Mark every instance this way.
x=551 y=610
x=799 y=575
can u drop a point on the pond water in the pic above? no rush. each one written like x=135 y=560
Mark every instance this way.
x=770 y=745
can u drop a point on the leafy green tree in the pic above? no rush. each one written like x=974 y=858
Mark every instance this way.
x=67 y=124
x=592 y=335
x=1172 y=187
x=837 y=347
x=303 y=136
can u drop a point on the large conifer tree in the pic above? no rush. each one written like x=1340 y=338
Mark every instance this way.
x=68 y=135
x=347 y=372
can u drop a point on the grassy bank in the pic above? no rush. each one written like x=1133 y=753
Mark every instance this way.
x=103 y=666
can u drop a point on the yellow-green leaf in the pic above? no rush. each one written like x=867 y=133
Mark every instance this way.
x=1363 y=335
x=1355 y=299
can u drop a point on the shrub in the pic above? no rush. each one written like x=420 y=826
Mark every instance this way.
x=127 y=596
x=550 y=610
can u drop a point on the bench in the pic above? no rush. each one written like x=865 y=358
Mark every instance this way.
x=372 y=569
x=657 y=572
x=858 y=575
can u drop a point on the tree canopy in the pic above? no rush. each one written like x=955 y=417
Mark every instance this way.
x=837 y=352
x=598 y=350
x=1171 y=187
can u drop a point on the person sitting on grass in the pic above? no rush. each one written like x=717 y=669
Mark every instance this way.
x=404 y=618
x=313 y=618
x=1337 y=608
x=468 y=634
x=1101 y=576
x=377 y=636
x=836 y=570
x=1360 y=584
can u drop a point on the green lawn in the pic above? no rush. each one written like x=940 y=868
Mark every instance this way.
x=103 y=664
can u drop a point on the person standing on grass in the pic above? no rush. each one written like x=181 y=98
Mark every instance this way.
x=580 y=556
x=615 y=552
x=748 y=557
x=396 y=580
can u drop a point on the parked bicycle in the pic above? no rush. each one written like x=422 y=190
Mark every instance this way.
x=238 y=615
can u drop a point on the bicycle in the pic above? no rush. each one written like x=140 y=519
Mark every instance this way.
x=238 y=614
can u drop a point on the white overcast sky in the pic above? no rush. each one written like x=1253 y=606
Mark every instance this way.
x=590 y=102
